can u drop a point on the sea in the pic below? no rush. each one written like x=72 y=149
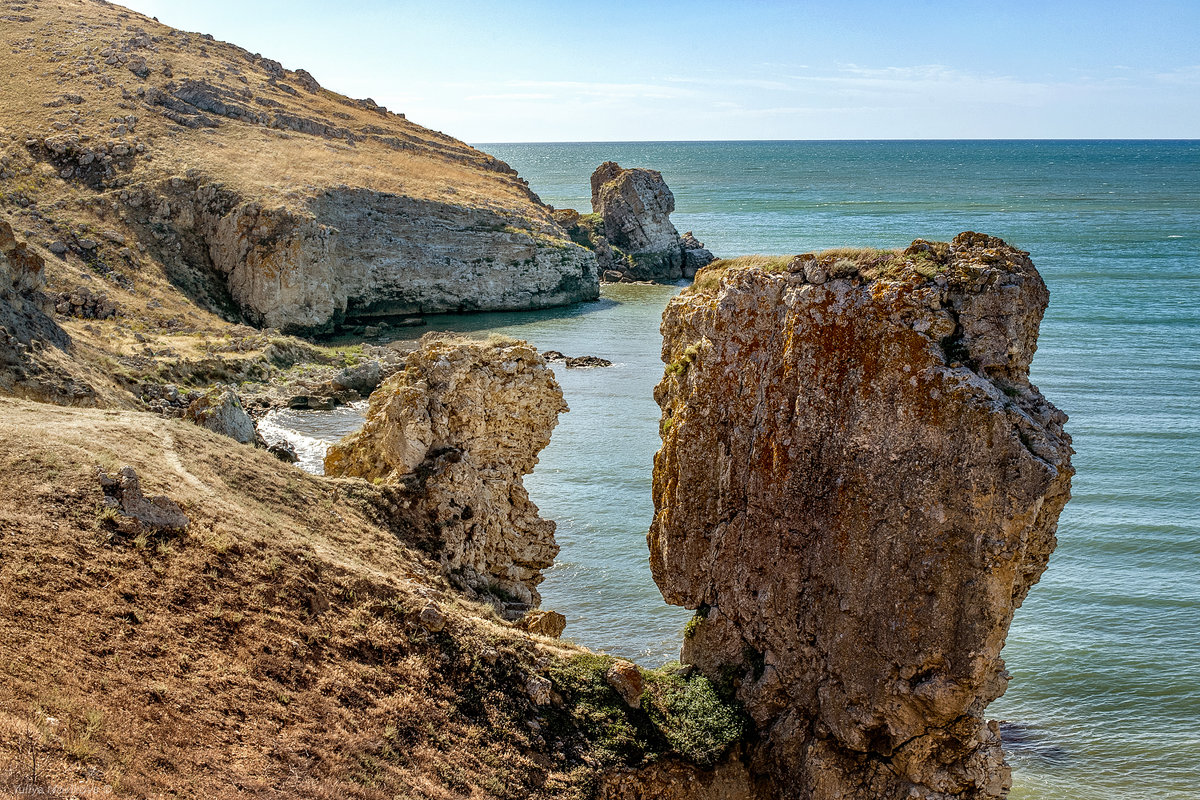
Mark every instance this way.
x=1104 y=702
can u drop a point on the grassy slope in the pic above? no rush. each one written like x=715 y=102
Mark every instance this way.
x=59 y=50
x=51 y=50
x=274 y=648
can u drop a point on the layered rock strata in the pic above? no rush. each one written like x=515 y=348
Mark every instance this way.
x=357 y=255
x=857 y=487
x=463 y=424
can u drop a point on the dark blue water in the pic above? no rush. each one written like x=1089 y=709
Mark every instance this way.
x=1105 y=653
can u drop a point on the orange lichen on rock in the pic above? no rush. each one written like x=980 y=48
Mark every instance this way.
x=859 y=485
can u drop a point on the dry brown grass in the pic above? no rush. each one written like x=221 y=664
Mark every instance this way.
x=272 y=648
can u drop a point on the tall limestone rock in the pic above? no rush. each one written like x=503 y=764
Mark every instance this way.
x=461 y=425
x=857 y=487
x=635 y=205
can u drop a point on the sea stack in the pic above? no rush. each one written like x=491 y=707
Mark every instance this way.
x=457 y=429
x=857 y=487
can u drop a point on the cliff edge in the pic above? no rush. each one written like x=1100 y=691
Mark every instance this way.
x=857 y=487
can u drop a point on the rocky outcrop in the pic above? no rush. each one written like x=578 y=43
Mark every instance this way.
x=23 y=307
x=695 y=255
x=636 y=205
x=123 y=497
x=351 y=255
x=460 y=426
x=222 y=412
x=630 y=228
x=857 y=487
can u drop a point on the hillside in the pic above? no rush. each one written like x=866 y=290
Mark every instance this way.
x=297 y=639
x=173 y=170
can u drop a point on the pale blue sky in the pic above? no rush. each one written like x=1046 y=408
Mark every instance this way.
x=625 y=71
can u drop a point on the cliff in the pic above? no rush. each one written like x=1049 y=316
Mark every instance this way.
x=172 y=165
x=857 y=487
x=459 y=428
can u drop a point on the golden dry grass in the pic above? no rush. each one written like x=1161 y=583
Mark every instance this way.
x=869 y=263
x=57 y=48
x=271 y=649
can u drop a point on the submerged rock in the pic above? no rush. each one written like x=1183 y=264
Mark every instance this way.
x=460 y=426
x=858 y=485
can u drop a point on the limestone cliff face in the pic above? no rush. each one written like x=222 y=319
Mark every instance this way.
x=857 y=487
x=357 y=254
x=462 y=424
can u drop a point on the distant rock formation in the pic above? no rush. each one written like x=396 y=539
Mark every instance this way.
x=463 y=424
x=857 y=487
x=630 y=228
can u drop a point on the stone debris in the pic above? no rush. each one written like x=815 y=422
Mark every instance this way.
x=123 y=493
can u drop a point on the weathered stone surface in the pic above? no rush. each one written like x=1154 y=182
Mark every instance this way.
x=636 y=205
x=543 y=623
x=626 y=678
x=676 y=779
x=461 y=425
x=356 y=254
x=860 y=485
x=362 y=378
x=695 y=255
x=123 y=493
x=222 y=413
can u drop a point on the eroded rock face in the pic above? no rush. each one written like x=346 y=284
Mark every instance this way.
x=857 y=487
x=23 y=307
x=636 y=205
x=463 y=423
x=356 y=254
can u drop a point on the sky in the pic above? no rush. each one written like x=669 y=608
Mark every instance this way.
x=618 y=70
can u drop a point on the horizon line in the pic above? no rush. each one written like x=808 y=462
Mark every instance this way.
x=1178 y=140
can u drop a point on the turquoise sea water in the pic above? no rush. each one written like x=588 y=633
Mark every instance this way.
x=1105 y=654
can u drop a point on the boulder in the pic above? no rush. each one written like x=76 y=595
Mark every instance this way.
x=543 y=623
x=362 y=378
x=459 y=427
x=626 y=679
x=222 y=412
x=695 y=255
x=284 y=451
x=859 y=485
